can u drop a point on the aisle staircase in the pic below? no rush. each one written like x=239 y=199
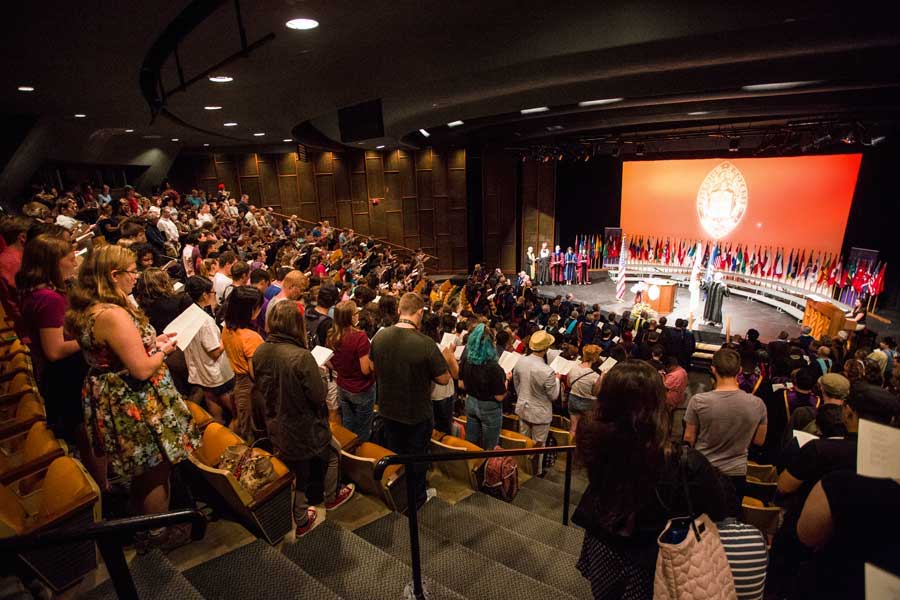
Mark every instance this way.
x=479 y=547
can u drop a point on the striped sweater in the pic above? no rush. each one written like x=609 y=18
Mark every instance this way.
x=745 y=548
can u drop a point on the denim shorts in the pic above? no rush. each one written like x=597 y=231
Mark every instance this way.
x=579 y=405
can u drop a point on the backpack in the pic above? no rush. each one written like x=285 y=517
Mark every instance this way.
x=314 y=322
x=501 y=477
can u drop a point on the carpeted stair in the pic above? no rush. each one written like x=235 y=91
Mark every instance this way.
x=154 y=577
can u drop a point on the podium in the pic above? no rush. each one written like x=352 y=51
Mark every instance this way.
x=824 y=318
x=664 y=302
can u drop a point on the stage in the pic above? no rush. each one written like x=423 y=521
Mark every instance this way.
x=745 y=313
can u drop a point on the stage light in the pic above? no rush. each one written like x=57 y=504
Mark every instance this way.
x=774 y=87
x=230 y=124
x=639 y=150
x=259 y=134
x=454 y=123
x=379 y=147
x=174 y=139
x=25 y=88
x=206 y=144
x=212 y=108
x=599 y=102
x=221 y=79
x=560 y=156
x=734 y=144
x=129 y=131
x=424 y=133
x=587 y=157
x=302 y=24
x=536 y=109
x=697 y=113
x=80 y=115
x=287 y=140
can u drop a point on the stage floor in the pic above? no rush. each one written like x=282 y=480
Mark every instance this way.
x=745 y=313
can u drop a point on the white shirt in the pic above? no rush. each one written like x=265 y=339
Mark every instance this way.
x=202 y=369
x=233 y=211
x=205 y=218
x=220 y=283
x=66 y=221
x=251 y=219
x=169 y=229
x=187 y=259
x=440 y=392
x=104 y=199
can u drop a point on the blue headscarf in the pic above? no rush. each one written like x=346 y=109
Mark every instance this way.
x=479 y=347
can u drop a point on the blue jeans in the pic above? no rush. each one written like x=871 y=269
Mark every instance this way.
x=484 y=418
x=357 y=411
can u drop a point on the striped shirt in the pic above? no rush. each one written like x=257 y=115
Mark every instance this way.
x=745 y=548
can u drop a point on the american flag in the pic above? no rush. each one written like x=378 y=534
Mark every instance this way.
x=620 y=282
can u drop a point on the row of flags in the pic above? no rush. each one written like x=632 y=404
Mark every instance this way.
x=800 y=267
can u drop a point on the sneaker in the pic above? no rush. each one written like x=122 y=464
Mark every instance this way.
x=342 y=496
x=312 y=521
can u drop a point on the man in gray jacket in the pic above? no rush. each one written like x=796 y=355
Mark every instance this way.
x=537 y=386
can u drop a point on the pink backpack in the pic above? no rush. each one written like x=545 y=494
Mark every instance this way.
x=501 y=477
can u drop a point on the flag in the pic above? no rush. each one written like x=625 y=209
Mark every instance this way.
x=713 y=262
x=835 y=275
x=779 y=267
x=878 y=283
x=860 y=277
x=620 y=282
x=696 y=250
x=825 y=270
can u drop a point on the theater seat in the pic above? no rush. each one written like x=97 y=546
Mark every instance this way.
x=202 y=418
x=346 y=439
x=467 y=471
x=359 y=467
x=21 y=415
x=510 y=422
x=10 y=347
x=25 y=454
x=514 y=439
x=268 y=511
x=762 y=491
x=765 y=518
x=19 y=381
x=763 y=473
x=66 y=496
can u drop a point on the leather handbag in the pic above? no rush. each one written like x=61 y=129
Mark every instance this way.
x=691 y=564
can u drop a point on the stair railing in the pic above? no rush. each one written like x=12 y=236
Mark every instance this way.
x=110 y=536
x=418 y=591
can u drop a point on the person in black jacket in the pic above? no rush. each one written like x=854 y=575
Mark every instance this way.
x=287 y=376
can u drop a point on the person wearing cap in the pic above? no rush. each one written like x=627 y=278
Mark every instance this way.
x=537 y=386
x=830 y=421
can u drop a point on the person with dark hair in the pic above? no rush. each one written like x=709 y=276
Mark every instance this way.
x=443 y=396
x=802 y=394
x=14 y=231
x=484 y=382
x=296 y=417
x=241 y=340
x=157 y=298
x=355 y=372
x=190 y=255
x=146 y=256
x=636 y=484
x=207 y=364
x=318 y=324
x=722 y=423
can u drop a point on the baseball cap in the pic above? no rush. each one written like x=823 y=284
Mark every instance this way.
x=834 y=385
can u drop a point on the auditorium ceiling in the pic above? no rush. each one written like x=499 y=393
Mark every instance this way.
x=606 y=72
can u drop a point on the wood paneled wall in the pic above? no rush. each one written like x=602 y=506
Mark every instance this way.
x=423 y=193
x=499 y=213
x=538 y=205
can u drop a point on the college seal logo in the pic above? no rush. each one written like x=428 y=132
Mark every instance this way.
x=722 y=200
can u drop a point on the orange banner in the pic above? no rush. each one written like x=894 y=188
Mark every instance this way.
x=798 y=202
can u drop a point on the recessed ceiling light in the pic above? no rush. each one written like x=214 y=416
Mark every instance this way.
x=174 y=139
x=230 y=124
x=206 y=144
x=600 y=102
x=129 y=131
x=697 y=113
x=302 y=24
x=774 y=87
x=287 y=140
x=80 y=115
x=221 y=79
x=536 y=109
x=259 y=134
x=454 y=123
x=212 y=108
x=379 y=147
x=26 y=88
x=425 y=133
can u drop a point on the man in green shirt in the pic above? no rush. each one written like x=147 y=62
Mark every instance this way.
x=407 y=364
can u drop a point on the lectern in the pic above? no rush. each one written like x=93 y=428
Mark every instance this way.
x=824 y=318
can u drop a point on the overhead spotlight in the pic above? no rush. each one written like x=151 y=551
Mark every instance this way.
x=536 y=109
x=206 y=144
x=697 y=113
x=230 y=124
x=212 y=108
x=599 y=102
x=734 y=144
x=587 y=157
x=775 y=87
x=221 y=79
x=546 y=158
x=379 y=147
x=259 y=134
x=174 y=139
x=25 y=88
x=80 y=115
x=302 y=24
x=560 y=157
x=287 y=140
x=129 y=131
x=639 y=150
x=424 y=133
x=454 y=123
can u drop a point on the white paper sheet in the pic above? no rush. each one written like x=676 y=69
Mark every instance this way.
x=878 y=450
x=447 y=340
x=322 y=355
x=178 y=286
x=459 y=352
x=552 y=354
x=186 y=325
x=607 y=364
x=881 y=585
x=508 y=360
x=616 y=340
x=377 y=298
x=803 y=438
x=562 y=365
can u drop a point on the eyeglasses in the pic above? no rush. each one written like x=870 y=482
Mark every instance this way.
x=129 y=271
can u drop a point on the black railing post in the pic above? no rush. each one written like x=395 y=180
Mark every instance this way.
x=411 y=514
x=567 y=487
x=117 y=566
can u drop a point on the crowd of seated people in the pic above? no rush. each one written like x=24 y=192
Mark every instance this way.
x=273 y=290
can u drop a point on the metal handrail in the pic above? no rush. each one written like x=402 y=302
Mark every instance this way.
x=110 y=537
x=410 y=459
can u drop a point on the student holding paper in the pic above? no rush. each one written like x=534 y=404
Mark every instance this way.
x=355 y=372
x=538 y=387
x=207 y=364
x=485 y=383
x=584 y=384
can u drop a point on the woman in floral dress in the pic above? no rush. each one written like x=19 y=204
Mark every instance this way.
x=133 y=413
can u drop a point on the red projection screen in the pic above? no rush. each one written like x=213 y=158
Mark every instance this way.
x=799 y=202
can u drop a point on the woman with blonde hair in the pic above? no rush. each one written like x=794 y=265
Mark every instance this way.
x=354 y=368
x=583 y=383
x=134 y=415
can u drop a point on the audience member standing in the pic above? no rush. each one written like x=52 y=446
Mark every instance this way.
x=537 y=386
x=355 y=372
x=584 y=384
x=241 y=340
x=722 y=423
x=484 y=381
x=407 y=363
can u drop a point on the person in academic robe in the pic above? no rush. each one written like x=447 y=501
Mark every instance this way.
x=556 y=266
x=716 y=290
x=530 y=261
x=569 y=265
x=543 y=275
x=582 y=260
